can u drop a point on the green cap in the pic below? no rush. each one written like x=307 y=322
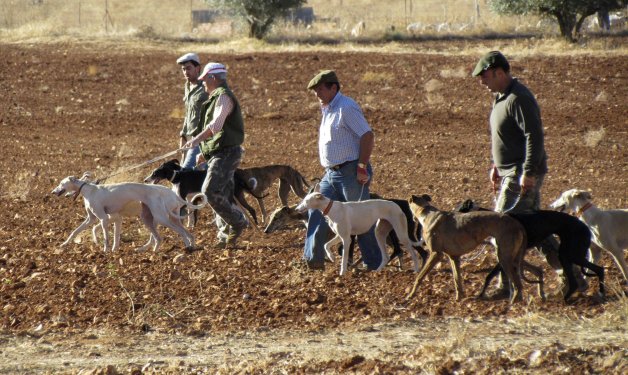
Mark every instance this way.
x=493 y=59
x=324 y=76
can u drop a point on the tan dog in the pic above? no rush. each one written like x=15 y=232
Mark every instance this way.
x=456 y=234
x=289 y=179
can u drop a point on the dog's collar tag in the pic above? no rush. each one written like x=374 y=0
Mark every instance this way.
x=326 y=210
x=584 y=208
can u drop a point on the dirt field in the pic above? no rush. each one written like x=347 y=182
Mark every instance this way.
x=75 y=107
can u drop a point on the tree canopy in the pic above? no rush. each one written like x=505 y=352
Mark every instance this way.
x=570 y=14
x=259 y=14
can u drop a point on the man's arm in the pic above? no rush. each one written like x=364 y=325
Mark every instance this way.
x=224 y=106
x=367 y=143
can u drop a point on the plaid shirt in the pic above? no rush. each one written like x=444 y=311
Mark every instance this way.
x=342 y=126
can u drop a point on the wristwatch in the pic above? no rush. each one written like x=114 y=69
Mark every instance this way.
x=362 y=165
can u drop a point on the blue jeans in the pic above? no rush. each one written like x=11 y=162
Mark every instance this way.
x=341 y=185
x=190 y=159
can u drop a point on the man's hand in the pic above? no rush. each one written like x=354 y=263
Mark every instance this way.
x=527 y=183
x=181 y=143
x=363 y=175
x=200 y=158
x=493 y=175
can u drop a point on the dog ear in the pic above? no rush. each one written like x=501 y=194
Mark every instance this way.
x=583 y=195
x=426 y=197
x=318 y=196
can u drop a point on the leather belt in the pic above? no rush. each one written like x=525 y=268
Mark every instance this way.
x=338 y=166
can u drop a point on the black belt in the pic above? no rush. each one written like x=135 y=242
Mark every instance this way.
x=338 y=166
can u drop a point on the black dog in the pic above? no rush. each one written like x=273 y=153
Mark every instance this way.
x=191 y=181
x=575 y=239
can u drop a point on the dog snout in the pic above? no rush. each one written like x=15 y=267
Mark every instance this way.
x=58 y=191
x=301 y=208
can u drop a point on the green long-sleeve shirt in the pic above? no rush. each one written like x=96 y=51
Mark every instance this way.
x=517 y=133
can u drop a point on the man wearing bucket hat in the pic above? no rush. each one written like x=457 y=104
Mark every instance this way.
x=518 y=150
x=220 y=143
x=345 y=145
x=194 y=96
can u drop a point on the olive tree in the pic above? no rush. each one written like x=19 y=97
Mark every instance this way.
x=259 y=14
x=570 y=14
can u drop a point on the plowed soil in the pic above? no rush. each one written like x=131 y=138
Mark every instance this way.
x=76 y=107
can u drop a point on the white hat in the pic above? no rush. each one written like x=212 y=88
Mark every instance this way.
x=212 y=68
x=189 y=57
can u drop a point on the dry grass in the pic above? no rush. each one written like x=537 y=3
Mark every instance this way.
x=60 y=20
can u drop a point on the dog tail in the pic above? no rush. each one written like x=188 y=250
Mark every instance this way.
x=191 y=206
x=203 y=199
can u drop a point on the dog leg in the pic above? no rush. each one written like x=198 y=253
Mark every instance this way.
x=104 y=223
x=539 y=277
x=618 y=256
x=117 y=225
x=508 y=255
x=328 y=248
x=414 y=255
x=433 y=258
x=149 y=223
x=382 y=228
x=454 y=262
x=346 y=243
x=491 y=275
x=84 y=225
x=260 y=203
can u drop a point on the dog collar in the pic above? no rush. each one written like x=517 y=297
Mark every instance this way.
x=78 y=192
x=326 y=210
x=584 y=208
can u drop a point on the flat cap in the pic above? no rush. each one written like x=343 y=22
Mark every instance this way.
x=325 y=76
x=189 y=57
x=493 y=59
x=212 y=68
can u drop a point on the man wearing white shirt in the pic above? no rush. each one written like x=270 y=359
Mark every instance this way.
x=345 y=145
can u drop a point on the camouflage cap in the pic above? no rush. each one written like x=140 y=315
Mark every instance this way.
x=323 y=77
x=493 y=59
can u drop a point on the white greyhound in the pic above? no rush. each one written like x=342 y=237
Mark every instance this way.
x=354 y=218
x=608 y=227
x=159 y=205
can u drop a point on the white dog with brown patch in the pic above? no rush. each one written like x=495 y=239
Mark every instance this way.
x=355 y=218
x=159 y=205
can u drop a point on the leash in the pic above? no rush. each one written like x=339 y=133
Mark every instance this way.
x=141 y=164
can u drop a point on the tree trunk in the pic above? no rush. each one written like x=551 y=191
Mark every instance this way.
x=567 y=24
x=257 y=28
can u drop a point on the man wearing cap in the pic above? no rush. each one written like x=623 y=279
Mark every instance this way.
x=345 y=145
x=518 y=151
x=194 y=96
x=220 y=143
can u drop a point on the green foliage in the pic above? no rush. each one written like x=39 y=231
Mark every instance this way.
x=569 y=14
x=259 y=14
